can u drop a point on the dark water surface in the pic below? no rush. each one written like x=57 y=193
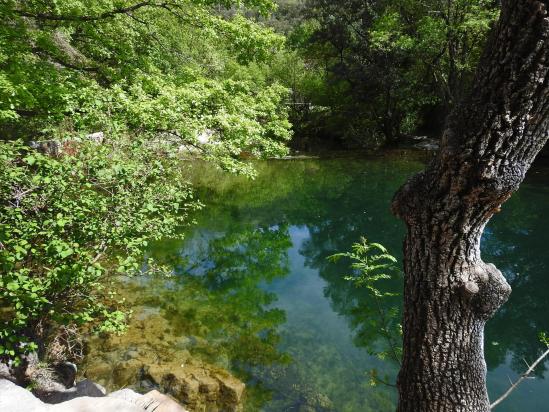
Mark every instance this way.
x=255 y=293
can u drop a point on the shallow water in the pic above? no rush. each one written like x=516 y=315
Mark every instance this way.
x=255 y=293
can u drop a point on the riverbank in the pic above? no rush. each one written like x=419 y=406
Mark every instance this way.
x=86 y=397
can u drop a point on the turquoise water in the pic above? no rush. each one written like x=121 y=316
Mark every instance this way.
x=255 y=293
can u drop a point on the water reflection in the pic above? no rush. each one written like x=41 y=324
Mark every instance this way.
x=217 y=295
x=254 y=291
x=517 y=242
x=331 y=326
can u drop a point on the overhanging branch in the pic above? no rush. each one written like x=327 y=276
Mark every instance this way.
x=101 y=16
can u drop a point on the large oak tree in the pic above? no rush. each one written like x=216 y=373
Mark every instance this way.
x=489 y=143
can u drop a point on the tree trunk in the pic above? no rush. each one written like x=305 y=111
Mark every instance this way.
x=490 y=141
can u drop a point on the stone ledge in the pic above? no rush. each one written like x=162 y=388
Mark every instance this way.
x=14 y=398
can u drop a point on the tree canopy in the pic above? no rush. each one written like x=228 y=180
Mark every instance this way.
x=154 y=67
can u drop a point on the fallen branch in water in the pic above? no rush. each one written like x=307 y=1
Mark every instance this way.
x=519 y=381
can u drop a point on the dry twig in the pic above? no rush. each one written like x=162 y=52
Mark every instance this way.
x=524 y=376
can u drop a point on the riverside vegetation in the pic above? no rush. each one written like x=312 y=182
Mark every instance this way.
x=154 y=77
x=164 y=82
x=132 y=72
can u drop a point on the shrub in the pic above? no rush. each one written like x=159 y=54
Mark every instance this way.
x=68 y=223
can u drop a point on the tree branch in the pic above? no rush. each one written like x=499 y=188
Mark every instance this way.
x=519 y=381
x=102 y=16
x=57 y=60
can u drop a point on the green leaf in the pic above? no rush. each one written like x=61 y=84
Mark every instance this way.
x=12 y=286
x=30 y=160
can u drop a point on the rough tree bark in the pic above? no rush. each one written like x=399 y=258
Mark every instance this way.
x=490 y=141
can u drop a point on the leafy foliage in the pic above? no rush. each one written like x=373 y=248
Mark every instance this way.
x=161 y=80
x=386 y=68
x=544 y=338
x=218 y=296
x=68 y=222
x=372 y=264
x=148 y=68
x=371 y=261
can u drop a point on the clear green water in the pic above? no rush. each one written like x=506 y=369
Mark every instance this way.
x=256 y=294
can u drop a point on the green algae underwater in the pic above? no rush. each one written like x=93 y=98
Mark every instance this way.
x=253 y=291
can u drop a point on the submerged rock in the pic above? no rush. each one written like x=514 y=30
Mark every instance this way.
x=137 y=361
x=199 y=388
x=126 y=372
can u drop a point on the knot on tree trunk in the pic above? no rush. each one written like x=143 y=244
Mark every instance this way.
x=485 y=287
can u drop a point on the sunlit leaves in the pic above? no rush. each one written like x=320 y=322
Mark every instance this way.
x=372 y=264
x=67 y=222
x=78 y=67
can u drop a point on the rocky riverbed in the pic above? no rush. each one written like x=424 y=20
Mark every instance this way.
x=136 y=360
x=141 y=371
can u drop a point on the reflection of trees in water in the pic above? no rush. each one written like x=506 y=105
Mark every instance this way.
x=218 y=298
x=329 y=198
x=517 y=242
x=367 y=316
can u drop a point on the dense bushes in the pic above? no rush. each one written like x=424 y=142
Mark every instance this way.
x=158 y=79
x=68 y=222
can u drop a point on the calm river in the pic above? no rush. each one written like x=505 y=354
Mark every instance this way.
x=255 y=293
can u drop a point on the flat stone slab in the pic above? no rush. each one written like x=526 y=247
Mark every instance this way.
x=14 y=398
